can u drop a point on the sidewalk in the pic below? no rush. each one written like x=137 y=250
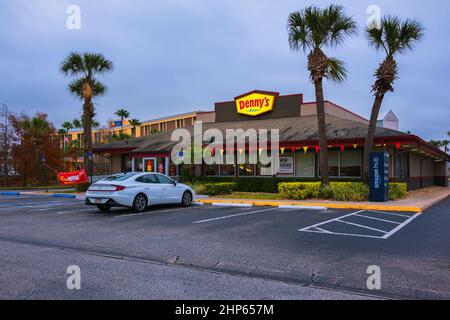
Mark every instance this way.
x=416 y=201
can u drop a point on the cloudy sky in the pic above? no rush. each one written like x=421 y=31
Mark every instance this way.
x=175 y=56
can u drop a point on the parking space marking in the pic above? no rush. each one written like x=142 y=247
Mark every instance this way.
x=319 y=227
x=233 y=215
x=378 y=219
x=390 y=213
x=73 y=211
x=361 y=226
x=395 y=230
x=152 y=212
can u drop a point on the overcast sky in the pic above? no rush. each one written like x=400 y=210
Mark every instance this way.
x=175 y=56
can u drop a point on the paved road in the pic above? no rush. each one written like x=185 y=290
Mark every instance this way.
x=220 y=253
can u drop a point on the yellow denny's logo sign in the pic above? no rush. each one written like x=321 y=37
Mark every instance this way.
x=255 y=104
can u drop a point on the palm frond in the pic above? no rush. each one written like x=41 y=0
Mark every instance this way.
x=76 y=87
x=337 y=25
x=96 y=63
x=298 y=33
x=336 y=70
x=73 y=65
x=395 y=36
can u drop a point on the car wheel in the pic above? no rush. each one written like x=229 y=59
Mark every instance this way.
x=140 y=203
x=104 y=207
x=186 y=200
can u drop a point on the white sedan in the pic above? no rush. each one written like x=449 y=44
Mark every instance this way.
x=138 y=191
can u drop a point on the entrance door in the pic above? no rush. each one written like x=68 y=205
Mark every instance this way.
x=149 y=164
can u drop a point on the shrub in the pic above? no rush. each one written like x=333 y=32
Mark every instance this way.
x=261 y=184
x=348 y=191
x=214 y=189
x=341 y=191
x=82 y=187
x=299 y=190
x=397 y=190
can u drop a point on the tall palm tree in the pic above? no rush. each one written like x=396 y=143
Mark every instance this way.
x=123 y=114
x=36 y=129
x=135 y=123
x=393 y=37
x=311 y=30
x=86 y=66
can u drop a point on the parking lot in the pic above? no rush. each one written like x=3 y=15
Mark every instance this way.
x=329 y=249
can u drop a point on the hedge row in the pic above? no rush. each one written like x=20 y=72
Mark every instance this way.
x=260 y=184
x=340 y=191
x=214 y=189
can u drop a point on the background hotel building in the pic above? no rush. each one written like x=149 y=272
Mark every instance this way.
x=104 y=135
x=412 y=159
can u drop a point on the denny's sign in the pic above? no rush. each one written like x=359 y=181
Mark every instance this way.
x=255 y=103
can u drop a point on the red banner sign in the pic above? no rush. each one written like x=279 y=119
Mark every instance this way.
x=72 y=178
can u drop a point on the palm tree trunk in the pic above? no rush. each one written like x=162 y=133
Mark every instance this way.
x=87 y=139
x=368 y=146
x=321 y=123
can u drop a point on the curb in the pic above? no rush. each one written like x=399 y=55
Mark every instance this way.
x=232 y=204
x=304 y=207
x=321 y=205
x=62 y=195
x=10 y=193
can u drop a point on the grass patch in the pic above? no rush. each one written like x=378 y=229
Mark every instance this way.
x=252 y=195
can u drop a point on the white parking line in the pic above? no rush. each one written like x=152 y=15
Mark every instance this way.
x=328 y=221
x=73 y=211
x=151 y=212
x=390 y=213
x=234 y=215
x=385 y=234
x=361 y=226
x=378 y=219
x=395 y=230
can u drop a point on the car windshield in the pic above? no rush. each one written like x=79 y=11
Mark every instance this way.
x=121 y=177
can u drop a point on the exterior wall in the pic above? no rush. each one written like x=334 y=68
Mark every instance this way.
x=421 y=172
x=441 y=174
x=309 y=109
x=116 y=163
x=206 y=117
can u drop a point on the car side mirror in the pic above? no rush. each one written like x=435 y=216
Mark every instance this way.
x=174 y=182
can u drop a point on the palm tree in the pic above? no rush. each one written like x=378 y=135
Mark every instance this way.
x=67 y=126
x=393 y=37
x=36 y=129
x=76 y=123
x=135 y=123
x=311 y=30
x=444 y=144
x=86 y=66
x=123 y=114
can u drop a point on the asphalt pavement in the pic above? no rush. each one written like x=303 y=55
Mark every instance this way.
x=206 y=252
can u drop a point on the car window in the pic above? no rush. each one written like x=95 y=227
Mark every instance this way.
x=148 y=178
x=164 y=179
x=121 y=177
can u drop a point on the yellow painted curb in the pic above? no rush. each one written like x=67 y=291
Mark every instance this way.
x=327 y=205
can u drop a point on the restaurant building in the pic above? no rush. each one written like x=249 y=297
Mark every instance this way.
x=412 y=160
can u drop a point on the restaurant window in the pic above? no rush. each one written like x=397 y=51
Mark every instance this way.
x=227 y=170
x=305 y=165
x=264 y=170
x=333 y=163
x=246 y=169
x=126 y=163
x=351 y=163
x=211 y=170
x=401 y=165
x=138 y=165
